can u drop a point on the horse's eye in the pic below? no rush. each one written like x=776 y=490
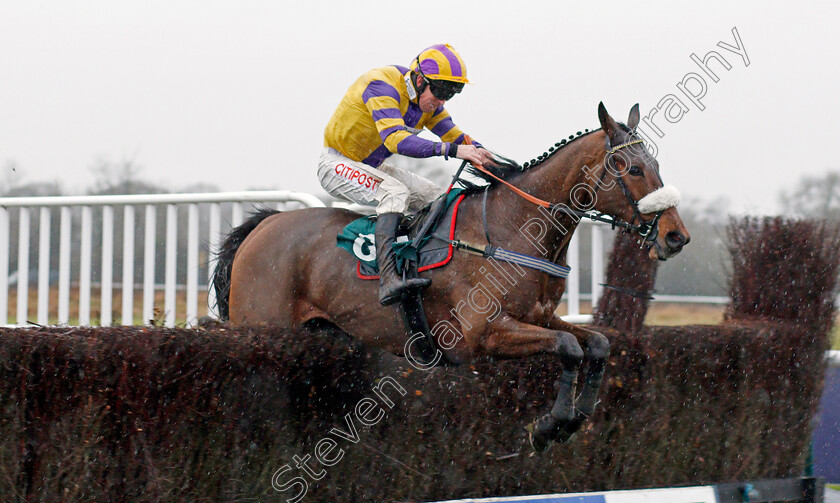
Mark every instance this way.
x=635 y=171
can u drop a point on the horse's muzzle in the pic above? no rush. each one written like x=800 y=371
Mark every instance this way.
x=670 y=245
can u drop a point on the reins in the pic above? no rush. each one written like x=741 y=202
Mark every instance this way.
x=517 y=190
x=644 y=229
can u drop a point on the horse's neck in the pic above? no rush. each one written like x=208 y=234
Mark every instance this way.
x=551 y=181
x=554 y=179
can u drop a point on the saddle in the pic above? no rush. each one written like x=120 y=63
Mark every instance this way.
x=358 y=238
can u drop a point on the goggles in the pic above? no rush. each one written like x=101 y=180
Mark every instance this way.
x=444 y=89
x=441 y=89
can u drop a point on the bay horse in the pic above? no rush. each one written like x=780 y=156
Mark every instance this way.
x=284 y=269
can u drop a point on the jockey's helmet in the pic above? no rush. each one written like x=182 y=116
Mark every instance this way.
x=442 y=67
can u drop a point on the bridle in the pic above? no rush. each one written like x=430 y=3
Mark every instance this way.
x=647 y=230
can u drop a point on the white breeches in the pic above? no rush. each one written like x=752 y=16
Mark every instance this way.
x=390 y=189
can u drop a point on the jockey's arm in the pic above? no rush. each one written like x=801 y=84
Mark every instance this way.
x=398 y=139
x=395 y=135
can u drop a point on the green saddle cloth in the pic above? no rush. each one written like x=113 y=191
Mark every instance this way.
x=357 y=237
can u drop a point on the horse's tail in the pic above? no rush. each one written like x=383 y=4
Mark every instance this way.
x=224 y=259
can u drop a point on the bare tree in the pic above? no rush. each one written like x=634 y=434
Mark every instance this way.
x=701 y=268
x=814 y=197
x=121 y=177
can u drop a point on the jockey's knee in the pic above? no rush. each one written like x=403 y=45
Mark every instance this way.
x=393 y=197
x=423 y=195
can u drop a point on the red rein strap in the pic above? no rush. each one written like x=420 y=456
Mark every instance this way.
x=528 y=197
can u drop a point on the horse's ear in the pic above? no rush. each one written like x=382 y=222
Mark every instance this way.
x=633 y=120
x=607 y=123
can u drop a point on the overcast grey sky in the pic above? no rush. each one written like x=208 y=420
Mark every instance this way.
x=237 y=94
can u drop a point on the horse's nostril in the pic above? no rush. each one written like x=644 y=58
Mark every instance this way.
x=675 y=240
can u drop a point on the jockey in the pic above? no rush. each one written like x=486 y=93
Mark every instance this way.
x=381 y=114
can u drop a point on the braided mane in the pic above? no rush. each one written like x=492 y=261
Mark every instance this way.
x=507 y=168
x=556 y=148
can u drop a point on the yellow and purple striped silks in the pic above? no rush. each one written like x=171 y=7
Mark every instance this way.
x=376 y=118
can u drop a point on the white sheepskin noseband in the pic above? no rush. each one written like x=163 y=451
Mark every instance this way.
x=659 y=200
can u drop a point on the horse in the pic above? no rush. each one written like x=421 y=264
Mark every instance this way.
x=284 y=269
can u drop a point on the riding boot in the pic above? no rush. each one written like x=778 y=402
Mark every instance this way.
x=391 y=285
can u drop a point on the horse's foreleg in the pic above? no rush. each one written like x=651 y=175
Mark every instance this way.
x=514 y=338
x=596 y=349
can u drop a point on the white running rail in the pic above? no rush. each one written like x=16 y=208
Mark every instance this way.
x=209 y=216
x=83 y=207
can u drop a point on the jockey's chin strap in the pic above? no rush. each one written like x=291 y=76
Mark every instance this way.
x=644 y=229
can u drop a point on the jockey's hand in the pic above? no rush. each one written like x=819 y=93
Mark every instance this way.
x=474 y=155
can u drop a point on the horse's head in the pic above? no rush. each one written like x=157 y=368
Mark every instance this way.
x=630 y=188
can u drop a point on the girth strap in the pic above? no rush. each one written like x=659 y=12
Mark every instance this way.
x=546 y=266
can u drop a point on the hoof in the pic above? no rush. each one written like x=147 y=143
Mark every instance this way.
x=538 y=441
x=545 y=431
x=542 y=432
x=564 y=436
x=567 y=432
